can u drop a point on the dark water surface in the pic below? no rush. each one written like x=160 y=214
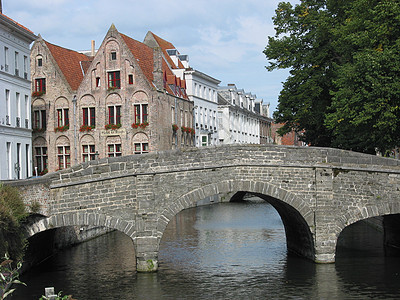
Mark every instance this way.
x=221 y=251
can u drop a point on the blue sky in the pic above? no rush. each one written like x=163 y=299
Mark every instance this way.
x=223 y=38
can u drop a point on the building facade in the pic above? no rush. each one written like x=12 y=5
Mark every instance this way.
x=201 y=88
x=289 y=139
x=15 y=100
x=238 y=118
x=113 y=102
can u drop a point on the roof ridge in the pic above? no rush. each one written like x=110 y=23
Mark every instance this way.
x=16 y=23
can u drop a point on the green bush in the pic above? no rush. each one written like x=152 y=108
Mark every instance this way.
x=12 y=213
x=8 y=276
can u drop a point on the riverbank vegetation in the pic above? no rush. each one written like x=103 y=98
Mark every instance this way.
x=8 y=276
x=344 y=85
x=12 y=213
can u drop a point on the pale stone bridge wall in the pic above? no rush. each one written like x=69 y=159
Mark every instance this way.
x=317 y=192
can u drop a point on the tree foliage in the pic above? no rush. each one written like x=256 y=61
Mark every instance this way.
x=12 y=213
x=344 y=84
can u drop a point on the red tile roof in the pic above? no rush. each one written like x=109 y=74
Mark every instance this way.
x=16 y=23
x=165 y=45
x=145 y=57
x=70 y=62
x=143 y=54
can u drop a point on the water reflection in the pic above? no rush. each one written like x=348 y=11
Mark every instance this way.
x=222 y=251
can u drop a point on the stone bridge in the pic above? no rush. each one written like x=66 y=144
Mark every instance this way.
x=316 y=191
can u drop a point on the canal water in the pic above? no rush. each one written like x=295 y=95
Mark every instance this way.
x=221 y=251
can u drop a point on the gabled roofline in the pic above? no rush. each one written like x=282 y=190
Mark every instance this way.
x=203 y=75
x=17 y=27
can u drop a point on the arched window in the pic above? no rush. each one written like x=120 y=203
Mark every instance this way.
x=140 y=143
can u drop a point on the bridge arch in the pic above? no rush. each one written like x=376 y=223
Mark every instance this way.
x=80 y=219
x=295 y=213
x=389 y=212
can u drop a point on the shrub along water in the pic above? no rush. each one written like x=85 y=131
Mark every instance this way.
x=12 y=214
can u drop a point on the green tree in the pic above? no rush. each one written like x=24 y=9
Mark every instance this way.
x=365 y=110
x=12 y=213
x=343 y=88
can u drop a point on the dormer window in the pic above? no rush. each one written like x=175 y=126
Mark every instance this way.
x=113 y=55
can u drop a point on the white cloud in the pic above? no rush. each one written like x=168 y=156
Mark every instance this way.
x=224 y=38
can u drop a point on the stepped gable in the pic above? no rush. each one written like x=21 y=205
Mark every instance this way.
x=143 y=54
x=165 y=45
x=71 y=63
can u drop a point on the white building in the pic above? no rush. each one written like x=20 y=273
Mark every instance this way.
x=241 y=117
x=203 y=91
x=15 y=100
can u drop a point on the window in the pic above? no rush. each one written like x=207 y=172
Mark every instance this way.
x=64 y=157
x=25 y=67
x=130 y=79
x=6 y=59
x=27 y=161
x=40 y=85
x=97 y=81
x=39 y=119
x=182 y=118
x=114 y=81
x=16 y=58
x=27 y=111
x=89 y=116
x=140 y=113
x=113 y=55
x=8 y=107
x=114 y=115
x=39 y=62
x=62 y=117
x=141 y=148
x=173 y=114
x=114 y=150
x=9 y=160
x=41 y=159
x=204 y=140
x=18 y=102
x=18 y=163
x=88 y=152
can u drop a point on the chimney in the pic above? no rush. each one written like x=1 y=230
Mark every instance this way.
x=93 y=49
x=157 y=69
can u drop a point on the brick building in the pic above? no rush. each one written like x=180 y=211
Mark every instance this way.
x=114 y=101
x=290 y=139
